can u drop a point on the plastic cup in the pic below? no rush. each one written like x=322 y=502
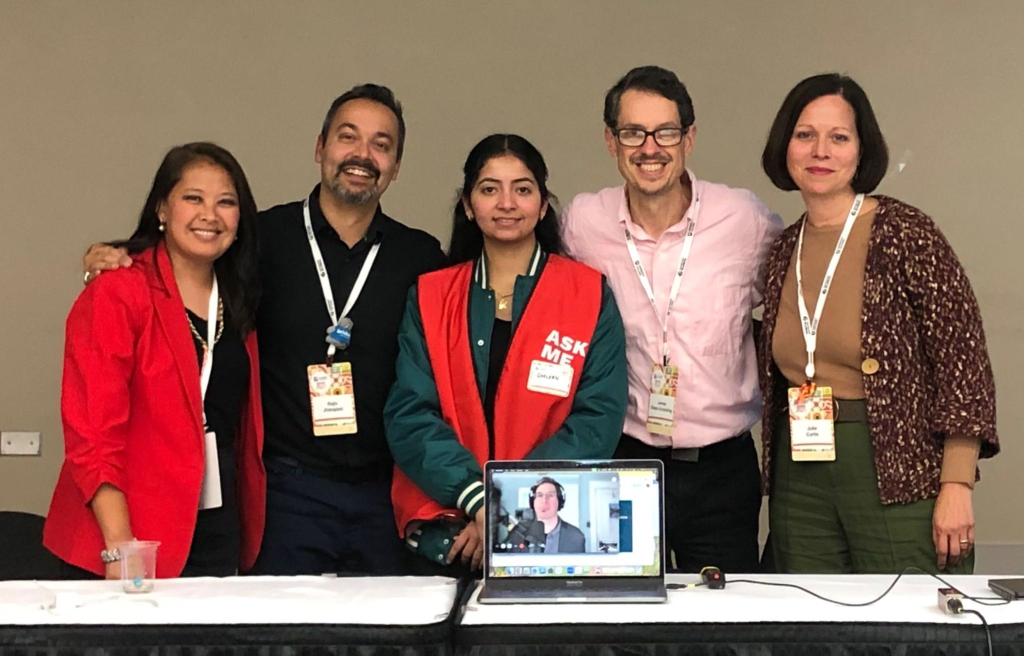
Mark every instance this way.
x=138 y=565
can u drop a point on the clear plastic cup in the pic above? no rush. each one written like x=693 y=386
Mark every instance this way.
x=138 y=565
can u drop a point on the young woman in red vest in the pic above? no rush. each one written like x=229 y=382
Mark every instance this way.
x=161 y=386
x=513 y=352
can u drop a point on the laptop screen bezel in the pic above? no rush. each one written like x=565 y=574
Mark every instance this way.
x=548 y=466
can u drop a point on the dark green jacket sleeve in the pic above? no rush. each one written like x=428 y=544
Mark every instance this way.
x=594 y=425
x=425 y=448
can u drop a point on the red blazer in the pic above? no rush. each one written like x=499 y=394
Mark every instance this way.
x=133 y=417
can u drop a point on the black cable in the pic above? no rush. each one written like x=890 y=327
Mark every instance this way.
x=823 y=598
x=955 y=605
x=988 y=633
x=984 y=601
x=957 y=609
x=981 y=600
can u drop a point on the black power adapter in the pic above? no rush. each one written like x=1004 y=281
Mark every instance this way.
x=713 y=578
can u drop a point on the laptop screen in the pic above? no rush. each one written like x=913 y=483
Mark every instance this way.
x=565 y=519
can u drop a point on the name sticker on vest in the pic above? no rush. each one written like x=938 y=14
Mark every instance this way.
x=550 y=378
x=332 y=399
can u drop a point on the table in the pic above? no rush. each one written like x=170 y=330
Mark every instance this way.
x=752 y=619
x=245 y=615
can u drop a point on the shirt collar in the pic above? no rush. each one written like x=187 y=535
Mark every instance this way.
x=480 y=275
x=319 y=222
x=627 y=221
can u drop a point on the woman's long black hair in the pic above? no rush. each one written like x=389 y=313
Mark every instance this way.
x=467 y=240
x=238 y=268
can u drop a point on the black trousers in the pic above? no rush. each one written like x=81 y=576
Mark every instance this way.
x=712 y=505
x=316 y=525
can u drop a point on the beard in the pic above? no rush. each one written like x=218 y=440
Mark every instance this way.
x=348 y=196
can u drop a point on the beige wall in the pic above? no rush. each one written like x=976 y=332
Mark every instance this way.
x=93 y=93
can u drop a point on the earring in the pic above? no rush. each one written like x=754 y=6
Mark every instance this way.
x=163 y=227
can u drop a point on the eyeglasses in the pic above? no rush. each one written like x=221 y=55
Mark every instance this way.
x=664 y=137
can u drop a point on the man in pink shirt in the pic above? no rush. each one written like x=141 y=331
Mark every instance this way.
x=684 y=258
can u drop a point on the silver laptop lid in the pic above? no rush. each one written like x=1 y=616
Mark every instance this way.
x=586 y=520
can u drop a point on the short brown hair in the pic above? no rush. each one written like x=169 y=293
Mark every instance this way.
x=874 y=154
x=378 y=94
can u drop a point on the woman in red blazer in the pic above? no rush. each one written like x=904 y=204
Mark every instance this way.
x=163 y=426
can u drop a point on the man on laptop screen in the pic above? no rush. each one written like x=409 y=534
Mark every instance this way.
x=547 y=533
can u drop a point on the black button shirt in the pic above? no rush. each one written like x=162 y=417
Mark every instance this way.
x=293 y=320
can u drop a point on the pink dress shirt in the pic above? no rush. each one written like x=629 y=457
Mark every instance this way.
x=710 y=331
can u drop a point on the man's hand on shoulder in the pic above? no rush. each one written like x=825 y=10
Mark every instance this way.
x=103 y=257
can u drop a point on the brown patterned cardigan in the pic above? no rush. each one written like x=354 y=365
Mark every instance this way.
x=922 y=324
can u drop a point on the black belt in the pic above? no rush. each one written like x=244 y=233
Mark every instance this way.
x=366 y=474
x=725 y=448
x=845 y=411
x=852 y=411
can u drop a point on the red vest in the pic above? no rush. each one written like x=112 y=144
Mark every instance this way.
x=557 y=325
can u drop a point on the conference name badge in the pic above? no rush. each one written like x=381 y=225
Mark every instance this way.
x=332 y=399
x=550 y=378
x=812 y=424
x=210 y=493
x=661 y=409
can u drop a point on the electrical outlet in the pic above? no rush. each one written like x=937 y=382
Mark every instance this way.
x=20 y=443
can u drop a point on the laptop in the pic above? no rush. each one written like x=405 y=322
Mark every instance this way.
x=574 y=532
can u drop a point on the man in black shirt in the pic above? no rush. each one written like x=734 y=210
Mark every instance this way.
x=329 y=496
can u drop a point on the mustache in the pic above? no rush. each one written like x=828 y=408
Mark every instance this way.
x=657 y=158
x=361 y=163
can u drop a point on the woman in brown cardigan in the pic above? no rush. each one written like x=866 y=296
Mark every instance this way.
x=899 y=346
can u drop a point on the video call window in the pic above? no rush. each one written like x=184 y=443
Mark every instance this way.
x=604 y=520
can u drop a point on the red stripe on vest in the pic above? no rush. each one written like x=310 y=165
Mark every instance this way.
x=566 y=300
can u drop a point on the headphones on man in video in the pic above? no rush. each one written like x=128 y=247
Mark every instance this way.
x=559 y=490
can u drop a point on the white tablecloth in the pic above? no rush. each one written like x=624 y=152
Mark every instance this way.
x=384 y=601
x=914 y=599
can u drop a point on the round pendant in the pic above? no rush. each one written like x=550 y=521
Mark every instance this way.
x=809 y=370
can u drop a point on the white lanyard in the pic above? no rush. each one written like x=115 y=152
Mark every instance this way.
x=642 y=274
x=325 y=282
x=810 y=328
x=211 y=335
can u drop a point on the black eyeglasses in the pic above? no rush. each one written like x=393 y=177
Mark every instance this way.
x=664 y=137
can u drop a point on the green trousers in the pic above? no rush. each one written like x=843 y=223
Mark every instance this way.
x=826 y=517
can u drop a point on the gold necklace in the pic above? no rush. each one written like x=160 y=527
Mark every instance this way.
x=220 y=325
x=504 y=300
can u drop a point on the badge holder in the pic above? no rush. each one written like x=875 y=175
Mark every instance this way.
x=331 y=392
x=661 y=409
x=812 y=435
